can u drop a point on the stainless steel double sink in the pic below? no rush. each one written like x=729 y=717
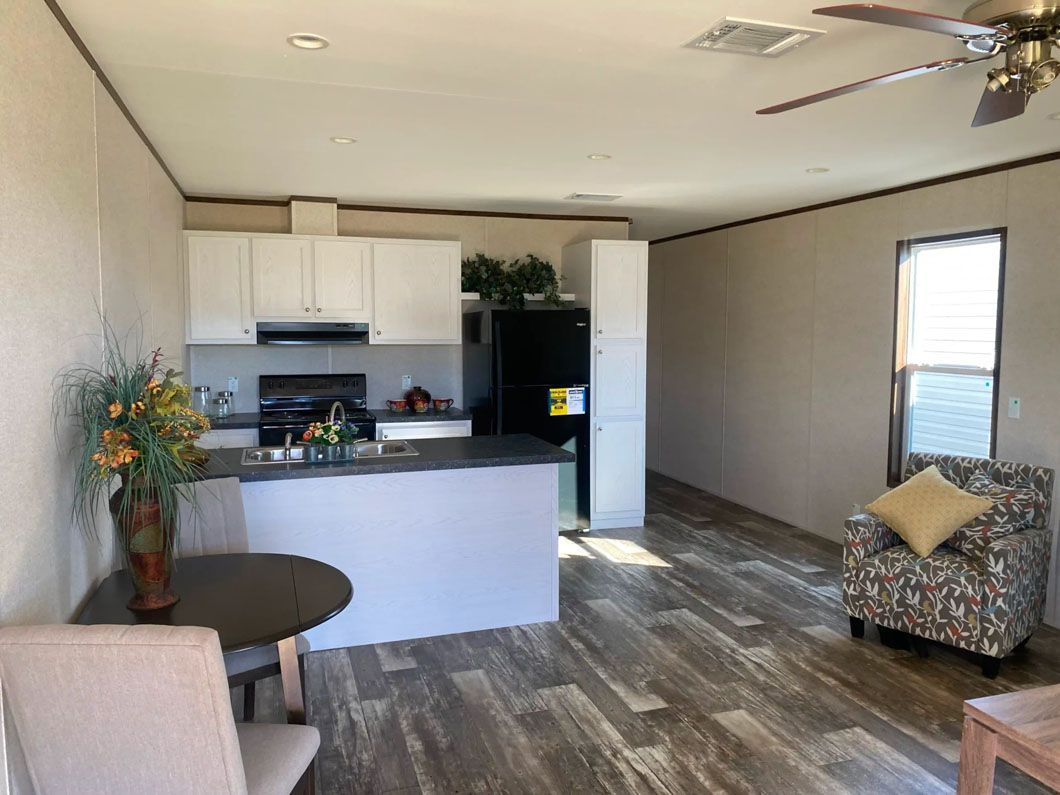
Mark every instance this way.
x=254 y=456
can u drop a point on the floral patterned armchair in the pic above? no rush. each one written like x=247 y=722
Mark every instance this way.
x=989 y=606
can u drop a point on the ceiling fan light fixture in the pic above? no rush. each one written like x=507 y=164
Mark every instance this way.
x=818 y=170
x=998 y=80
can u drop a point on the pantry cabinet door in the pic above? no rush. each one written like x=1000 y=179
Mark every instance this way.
x=620 y=295
x=618 y=468
x=620 y=379
x=416 y=292
x=218 y=290
x=282 y=276
x=342 y=280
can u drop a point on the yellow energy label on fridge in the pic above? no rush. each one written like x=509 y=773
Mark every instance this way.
x=566 y=401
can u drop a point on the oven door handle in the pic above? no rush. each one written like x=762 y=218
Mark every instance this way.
x=268 y=426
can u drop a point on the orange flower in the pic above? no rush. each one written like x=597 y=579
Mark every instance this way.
x=114 y=409
x=307 y=436
x=136 y=408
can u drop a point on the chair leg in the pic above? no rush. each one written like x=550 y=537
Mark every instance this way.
x=248 y=702
x=1023 y=643
x=991 y=666
x=893 y=638
x=857 y=627
x=920 y=646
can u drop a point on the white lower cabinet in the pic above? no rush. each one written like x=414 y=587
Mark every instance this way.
x=228 y=437
x=422 y=430
x=617 y=470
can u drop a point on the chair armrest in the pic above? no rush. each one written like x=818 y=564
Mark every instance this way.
x=1015 y=579
x=865 y=535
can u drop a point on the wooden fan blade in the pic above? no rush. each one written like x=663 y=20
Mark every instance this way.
x=903 y=18
x=849 y=88
x=997 y=106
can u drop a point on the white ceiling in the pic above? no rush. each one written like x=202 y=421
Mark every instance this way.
x=480 y=104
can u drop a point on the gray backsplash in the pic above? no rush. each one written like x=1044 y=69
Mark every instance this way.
x=438 y=368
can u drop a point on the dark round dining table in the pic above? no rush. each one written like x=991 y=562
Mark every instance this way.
x=251 y=599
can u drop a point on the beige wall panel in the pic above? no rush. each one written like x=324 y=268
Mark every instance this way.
x=124 y=212
x=654 y=357
x=693 y=380
x=769 y=357
x=961 y=206
x=1030 y=342
x=469 y=230
x=49 y=260
x=215 y=217
x=508 y=238
x=167 y=266
x=853 y=319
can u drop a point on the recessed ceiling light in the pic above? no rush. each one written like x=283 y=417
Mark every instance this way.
x=1054 y=116
x=599 y=157
x=818 y=170
x=307 y=41
x=339 y=139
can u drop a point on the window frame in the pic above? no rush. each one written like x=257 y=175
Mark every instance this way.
x=901 y=369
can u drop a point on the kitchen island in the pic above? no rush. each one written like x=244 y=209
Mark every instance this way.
x=460 y=537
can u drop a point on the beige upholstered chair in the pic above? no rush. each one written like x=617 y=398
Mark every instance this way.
x=130 y=710
x=218 y=525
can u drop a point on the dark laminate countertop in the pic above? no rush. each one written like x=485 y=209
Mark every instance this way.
x=452 y=415
x=466 y=452
x=241 y=419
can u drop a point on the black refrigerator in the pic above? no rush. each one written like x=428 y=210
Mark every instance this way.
x=527 y=371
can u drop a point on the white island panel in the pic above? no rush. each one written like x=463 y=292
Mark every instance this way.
x=428 y=553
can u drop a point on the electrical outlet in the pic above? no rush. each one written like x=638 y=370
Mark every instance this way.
x=406 y=382
x=1014 y=408
x=233 y=384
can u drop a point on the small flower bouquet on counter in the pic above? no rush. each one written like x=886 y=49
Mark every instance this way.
x=330 y=441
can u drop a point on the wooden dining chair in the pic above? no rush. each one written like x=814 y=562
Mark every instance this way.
x=132 y=709
x=214 y=523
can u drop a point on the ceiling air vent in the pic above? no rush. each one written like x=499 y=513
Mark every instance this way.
x=750 y=37
x=594 y=197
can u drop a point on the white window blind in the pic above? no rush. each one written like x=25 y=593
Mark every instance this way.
x=952 y=345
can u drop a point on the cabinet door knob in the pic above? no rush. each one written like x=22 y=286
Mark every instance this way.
x=246 y=331
x=378 y=332
x=599 y=331
x=599 y=352
x=386 y=435
x=318 y=309
x=307 y=309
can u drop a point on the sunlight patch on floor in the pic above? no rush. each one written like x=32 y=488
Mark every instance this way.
x=621 y=550
x=571 y=549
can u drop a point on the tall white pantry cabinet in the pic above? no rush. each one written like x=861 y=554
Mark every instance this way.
x=610 y=277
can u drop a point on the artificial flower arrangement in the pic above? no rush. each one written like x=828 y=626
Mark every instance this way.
x=329 y=433
x=136 y=424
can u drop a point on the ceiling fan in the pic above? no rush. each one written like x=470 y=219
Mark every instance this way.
x=1024 y=31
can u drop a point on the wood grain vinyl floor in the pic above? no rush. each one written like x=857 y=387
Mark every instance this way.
x=705 y=652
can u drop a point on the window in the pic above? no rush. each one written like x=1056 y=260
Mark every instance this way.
x=947 y=333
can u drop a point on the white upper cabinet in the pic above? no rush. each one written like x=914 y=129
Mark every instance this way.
x=342 y=280
x=218 y=289
x=282 y=276
x=620 y=290
x=416 y=292
x=620 y=382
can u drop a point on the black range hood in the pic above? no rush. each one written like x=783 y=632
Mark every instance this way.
x=312 y=333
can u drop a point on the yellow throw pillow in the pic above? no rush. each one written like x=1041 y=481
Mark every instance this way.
x=926 y=509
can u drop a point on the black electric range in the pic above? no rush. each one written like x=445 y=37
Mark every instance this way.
x=288 y=403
